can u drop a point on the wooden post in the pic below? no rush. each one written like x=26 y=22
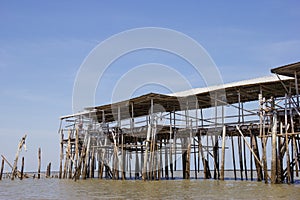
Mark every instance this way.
x=251 y=156
x=166 y=161
x=256 y=160
x=48 y=171
x=2 y=167
x=76 y=149
x=22 y=168
x=195 y=158
x=161 y=158
x=223 y=153
x=171 y=148
x=39 y=163
x=279 y=156
x=92 y=165
x=14 y=169
x=61 y=154
x=137 y=167
x=240 y=149
x=233 y=157
x=251 y=150
x=184 y=150
x=245 y=160
x=288 y=176
x=86 y=158
x=274 y=155
x=10 y=165
x=144 y=173
x=188 y=160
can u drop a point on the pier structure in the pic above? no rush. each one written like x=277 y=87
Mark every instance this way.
x=249 y=127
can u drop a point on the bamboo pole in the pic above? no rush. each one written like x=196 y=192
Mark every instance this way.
x=223 y=153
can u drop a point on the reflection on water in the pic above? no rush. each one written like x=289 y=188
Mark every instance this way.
x=165 y=189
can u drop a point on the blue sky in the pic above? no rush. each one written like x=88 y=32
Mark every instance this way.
x=43 y=43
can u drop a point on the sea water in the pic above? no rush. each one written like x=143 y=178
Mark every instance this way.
x=137 y=189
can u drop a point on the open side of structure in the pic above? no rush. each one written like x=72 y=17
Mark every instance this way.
x=249 y=129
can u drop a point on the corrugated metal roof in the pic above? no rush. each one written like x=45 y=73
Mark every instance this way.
x=248 y=90
x=288 y=70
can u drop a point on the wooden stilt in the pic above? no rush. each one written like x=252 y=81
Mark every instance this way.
x=195 y=158
x=279 y=156
x=22 y=169
x=188 y=160
x=61 y=154
x=137 y=167
x=92 y=166
x=166 y=161
x=251 y=156
x=233 y=157
x=240 y=149
x=223 y=153
x=14 y=169
x=2 y=167
x=245 y=160
x=184 y=152
x=257 y=161
x=274 y=146
x=251 y=150
x=144 y=173
x=288 y=175
x=39 y=163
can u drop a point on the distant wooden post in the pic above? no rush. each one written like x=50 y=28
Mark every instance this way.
x=14 y=169
x=49 y=170
x=39 y=163
x=22 y=169
x=2 y=167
